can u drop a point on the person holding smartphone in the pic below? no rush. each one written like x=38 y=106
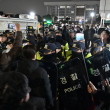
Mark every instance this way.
x=6 y=59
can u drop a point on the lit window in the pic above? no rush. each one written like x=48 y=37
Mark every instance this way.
x=80 y=6
x=62 y=6
x=68 y=6
x=60 y=16
x=89 y=8
x=72 y=11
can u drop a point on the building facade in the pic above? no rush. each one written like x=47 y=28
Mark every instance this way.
x=75 y=10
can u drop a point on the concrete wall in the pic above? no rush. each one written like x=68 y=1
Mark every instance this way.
x=104 y=8
x=72 y=3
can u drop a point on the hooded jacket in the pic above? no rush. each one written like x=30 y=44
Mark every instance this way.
x=38 y=79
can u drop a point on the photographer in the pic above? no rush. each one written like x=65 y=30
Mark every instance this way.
x=6 y=59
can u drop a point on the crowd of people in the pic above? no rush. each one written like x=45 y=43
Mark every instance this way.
x=21 y=73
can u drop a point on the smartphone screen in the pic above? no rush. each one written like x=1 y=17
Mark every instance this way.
x=79 y=36
x=11 y=26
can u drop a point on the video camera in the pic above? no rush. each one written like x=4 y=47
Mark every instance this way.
x=29 y=29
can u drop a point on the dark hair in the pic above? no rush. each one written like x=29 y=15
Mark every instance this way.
x=107 y=32
x=13 y=88
x=41 y=43
x=2 y=13
x=29 y=52
x=87 y=26
x=64 y=30
x=101 y=30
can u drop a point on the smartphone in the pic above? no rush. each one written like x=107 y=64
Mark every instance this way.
x=79 y=36
x=11 y=26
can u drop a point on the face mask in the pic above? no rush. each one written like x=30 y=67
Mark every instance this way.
x=51 y=40
x=51 y=57
x=58 y=38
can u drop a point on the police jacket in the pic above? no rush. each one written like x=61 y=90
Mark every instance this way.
x=38 y=79
x=7 y=59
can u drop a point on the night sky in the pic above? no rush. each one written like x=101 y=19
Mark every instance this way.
x=25 y=6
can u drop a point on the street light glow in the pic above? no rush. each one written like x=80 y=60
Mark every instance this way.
x=92 y=14
x=32 y=14
x=44 y=19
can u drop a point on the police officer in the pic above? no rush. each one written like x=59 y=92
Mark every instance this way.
x=97 y=46
x=50 y=35
x=3 y=40
x=12 y=34
x=77 y=49
x=98 y=64
x=51 y=52
x=64 y=44
x=51 y=39
x=39 y=44
x=9 y=43
x=31 y=40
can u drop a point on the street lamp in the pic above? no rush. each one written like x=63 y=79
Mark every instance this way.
x=58 y=13
x=43 y=26
x=92 y=15
x=32 y=14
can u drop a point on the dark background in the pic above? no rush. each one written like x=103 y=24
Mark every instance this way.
x=26 y=6
x=80 y=12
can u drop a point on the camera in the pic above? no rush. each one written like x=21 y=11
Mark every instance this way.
x=29 y=29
